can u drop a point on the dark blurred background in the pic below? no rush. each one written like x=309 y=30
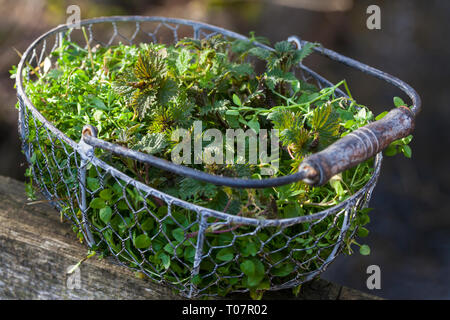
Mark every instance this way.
x=410 y=226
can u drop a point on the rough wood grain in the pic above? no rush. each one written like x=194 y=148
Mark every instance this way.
x=36 y=249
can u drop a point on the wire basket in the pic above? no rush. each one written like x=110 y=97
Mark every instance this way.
x=61 y=168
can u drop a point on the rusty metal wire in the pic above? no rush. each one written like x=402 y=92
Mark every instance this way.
x=61 y=168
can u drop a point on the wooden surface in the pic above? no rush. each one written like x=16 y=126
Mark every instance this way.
x=36 y=249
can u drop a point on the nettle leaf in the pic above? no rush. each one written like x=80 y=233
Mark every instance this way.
x=151 y=143
x=260 y=53
x=183 y=61
x=326 y=123
x=276 y=76
x=305 y=51
x=144 y=101
x=192 y=187
x=167 y=91
x=219 y=106
x=244 y=69
x=283 y=47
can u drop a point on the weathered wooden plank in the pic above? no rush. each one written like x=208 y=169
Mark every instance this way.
x=36 y=249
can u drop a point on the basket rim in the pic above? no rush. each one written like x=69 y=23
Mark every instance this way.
x=206 y=212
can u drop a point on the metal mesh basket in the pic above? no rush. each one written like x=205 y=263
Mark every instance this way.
x=194 y=236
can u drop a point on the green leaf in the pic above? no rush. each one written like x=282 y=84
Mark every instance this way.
x=364 y=219
x=292 y=211
x=225 y=254
x=407 y=151
x=305 y=51
x=106 y=194
x=381 y=115
x=93 y=184
x=283 y=270
x=398 y=102
x=97 y=203
x=183 y=60
x=189 y=253
x=197 y=279
x=391 y=150
x=178 y=234
x=364 y=250
x=248 y=249
x=236 y=101
x=256 y=278
x=248 y=267
x=232 y=112
x=165 y=259
x=148 y=224
x=98 y=103
x=142 y=241
x=362 y=232
x=105 y=214
x=151 y=143
x=260 y=53
x=254 y=124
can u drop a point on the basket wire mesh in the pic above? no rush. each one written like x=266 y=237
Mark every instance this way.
x=69 y=174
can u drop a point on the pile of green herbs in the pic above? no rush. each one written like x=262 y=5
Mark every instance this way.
x=138 y=95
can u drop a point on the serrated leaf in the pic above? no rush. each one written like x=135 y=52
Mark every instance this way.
x=260 y=53
x=183 y=61
x=151 y=143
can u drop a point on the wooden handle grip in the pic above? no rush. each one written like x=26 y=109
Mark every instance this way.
x=358 y=146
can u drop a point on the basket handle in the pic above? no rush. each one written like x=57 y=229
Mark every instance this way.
x=358 y=145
